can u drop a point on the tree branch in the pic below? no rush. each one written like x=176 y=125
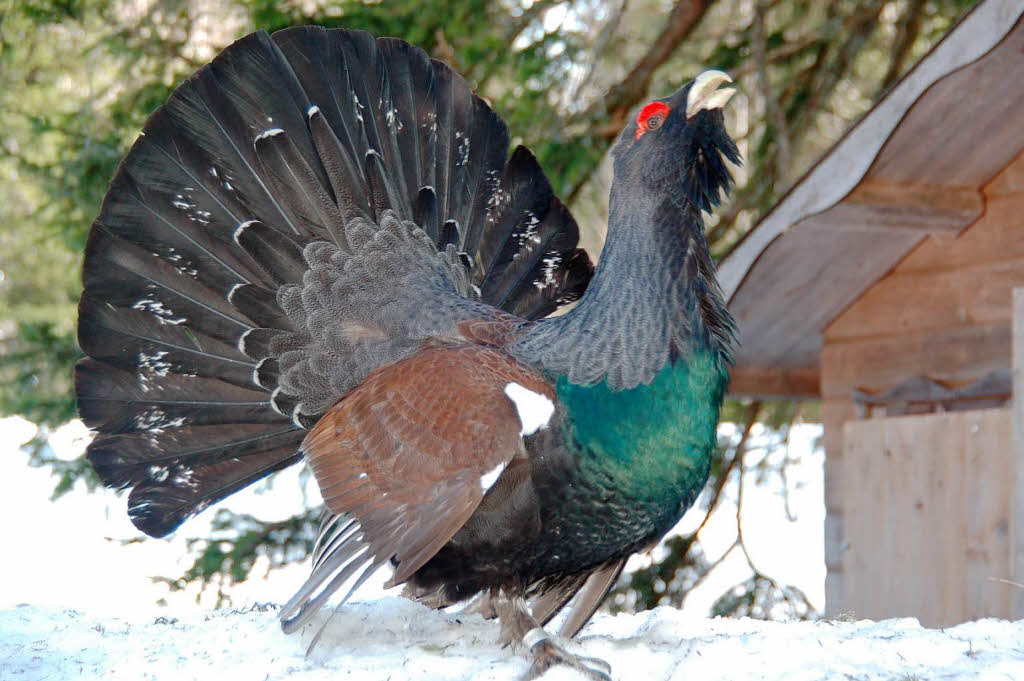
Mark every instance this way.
x=773 y=112
x=608 y=32
x=789 y=593
x=908 y=28
x=827 y=74
x=779 y=53
x=605 y=117
x=625 y=94
x=741 y=448
x=796 y=418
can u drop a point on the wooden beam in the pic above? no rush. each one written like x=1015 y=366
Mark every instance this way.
x=1017 y=475
x=835 y=413
x=770 y=383
x=927 y=209
x=903 y=302
x=958 y=355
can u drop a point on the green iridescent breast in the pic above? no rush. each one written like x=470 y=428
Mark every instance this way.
x=654 y=440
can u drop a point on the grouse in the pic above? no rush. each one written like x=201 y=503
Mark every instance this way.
x=321 y=250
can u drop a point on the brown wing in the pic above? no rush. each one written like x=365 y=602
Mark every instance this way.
x=402 y=459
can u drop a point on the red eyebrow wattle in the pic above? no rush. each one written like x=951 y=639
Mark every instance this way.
x=652 y=109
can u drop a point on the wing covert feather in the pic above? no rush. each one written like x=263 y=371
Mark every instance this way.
x=404 y=454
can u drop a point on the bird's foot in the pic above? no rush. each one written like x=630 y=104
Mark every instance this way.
x=546 y=654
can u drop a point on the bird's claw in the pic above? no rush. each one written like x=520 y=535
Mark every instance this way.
x=547 y=654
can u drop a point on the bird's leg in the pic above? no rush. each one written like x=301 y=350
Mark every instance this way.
x=432 y=598
x=519 y=627
x=482 y=605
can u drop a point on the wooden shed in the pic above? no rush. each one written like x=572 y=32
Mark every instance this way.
x=883 y=284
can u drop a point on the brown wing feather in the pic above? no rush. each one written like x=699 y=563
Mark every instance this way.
x=403 y=455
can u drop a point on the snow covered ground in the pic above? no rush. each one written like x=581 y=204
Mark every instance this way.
x=396 y=639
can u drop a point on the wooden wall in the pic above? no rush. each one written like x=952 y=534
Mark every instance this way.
x=927 y=517
x=944 y=312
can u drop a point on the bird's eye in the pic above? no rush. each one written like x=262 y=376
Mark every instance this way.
x=651 y=117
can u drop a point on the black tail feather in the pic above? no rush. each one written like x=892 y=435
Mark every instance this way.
x=273 y=252
x=133 y=339
x=126 y=459
x=157 y=506
x=298 y=188
x=259 y=305
x=131 y=277
x=528 y=261
x=115 y=401
x=343 y=171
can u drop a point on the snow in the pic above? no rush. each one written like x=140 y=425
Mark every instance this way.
x=399 y=639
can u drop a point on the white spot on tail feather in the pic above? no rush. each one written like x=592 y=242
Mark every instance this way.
x=240 y=229
x=256 y=372
x=534 y=409
x=158 y=310
x=313 y=110
x=272 y=132
x=273 y=400
x=393 y=121
x=551 y=264
x=488 y=479
x=357 y=107
x=241 y=342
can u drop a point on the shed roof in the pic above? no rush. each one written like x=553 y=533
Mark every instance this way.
x=913 y=166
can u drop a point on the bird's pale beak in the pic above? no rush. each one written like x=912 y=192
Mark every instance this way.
x=705 y=95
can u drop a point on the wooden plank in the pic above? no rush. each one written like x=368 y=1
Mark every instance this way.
x=905 y=540
x=988 y=456
x=862 y=442
x=835 y=605
x=804 y=281
x=1010 y=179
x=834 y=542
x=772 y=383
x=932 y=299
x=834 y=413
x=930 y=496
x=948 y=525
x=925 y=208
x=1016 y=473
x=997 y=237
x=960 y=355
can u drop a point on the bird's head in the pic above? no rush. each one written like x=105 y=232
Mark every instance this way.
x=676 y=147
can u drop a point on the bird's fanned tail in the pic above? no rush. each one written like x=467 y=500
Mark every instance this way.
x=297 y=172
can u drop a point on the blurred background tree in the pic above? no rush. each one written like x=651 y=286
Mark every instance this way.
x=79 y=77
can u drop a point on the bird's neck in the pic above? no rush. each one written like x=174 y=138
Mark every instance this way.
x=653 y=300
x=641 y=273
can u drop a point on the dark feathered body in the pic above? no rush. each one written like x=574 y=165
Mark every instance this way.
x=630 y=445
x=612 y=474
x=318 y=250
